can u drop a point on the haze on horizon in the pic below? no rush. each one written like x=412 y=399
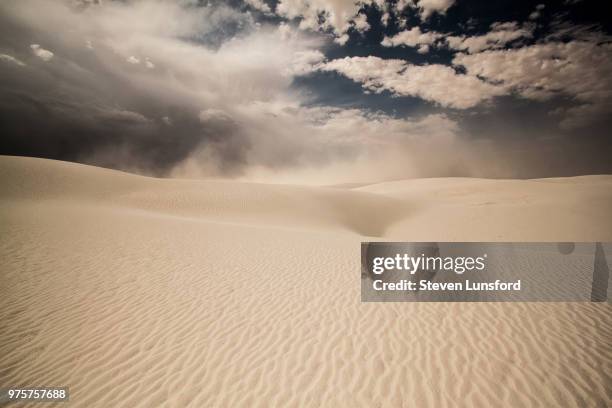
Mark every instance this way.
x=309 y=91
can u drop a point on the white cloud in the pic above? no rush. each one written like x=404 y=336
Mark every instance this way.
x=536 y=13
x=149 y=64
x=122 y=115
x=428 y=7
x=384 y=19
x=259 y=5
x=133 y=60
x=500 y=35
x=11 y=59
x=304 y=62
x=423 y=49
x=337 y=16
x=361 y=23
x=41 y=53
x=285 y=32
x=411 y=38
x=578 y=69
x=540 y=71
x=214 y=115
x=343 y=39
x=435 y=83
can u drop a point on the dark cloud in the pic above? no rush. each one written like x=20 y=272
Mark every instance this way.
x=86 y=101
x=69 y=113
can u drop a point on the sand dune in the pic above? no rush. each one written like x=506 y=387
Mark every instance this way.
x=464 y=209
x=136 y=291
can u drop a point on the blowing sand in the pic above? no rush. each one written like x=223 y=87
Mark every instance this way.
x=142 y=292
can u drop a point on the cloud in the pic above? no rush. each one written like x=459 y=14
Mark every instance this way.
x=319 y=14
x=259 y=5
x=197 y=62
x=217 y=116
x=11 y=59
x=500 y=35
x=342 y=40
x=304 y=62
x=440 y=84
x=412 y=38
x=124 y=116
x=224 y=102
x=133 y=60
x=429 y=7
x=582 y=116
x=361 y=23
x=222 y=97
x=337 y=16
x=537 y=12
x=41 y=53
x=577 y=69
x=331 y=145
x=563 y=31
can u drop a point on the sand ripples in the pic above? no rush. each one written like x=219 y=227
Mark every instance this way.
x=140 y=307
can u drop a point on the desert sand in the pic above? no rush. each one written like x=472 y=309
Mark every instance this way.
x=142 y=292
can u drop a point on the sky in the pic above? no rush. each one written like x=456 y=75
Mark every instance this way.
x=310 y=91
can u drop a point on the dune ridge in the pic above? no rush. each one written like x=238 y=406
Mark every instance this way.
x=137 y=291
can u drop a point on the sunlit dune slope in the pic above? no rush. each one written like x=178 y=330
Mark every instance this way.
x=143 y=292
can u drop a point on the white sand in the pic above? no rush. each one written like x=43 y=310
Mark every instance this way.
x=136 y=291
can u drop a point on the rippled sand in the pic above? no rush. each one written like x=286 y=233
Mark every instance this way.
x=136 y=291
